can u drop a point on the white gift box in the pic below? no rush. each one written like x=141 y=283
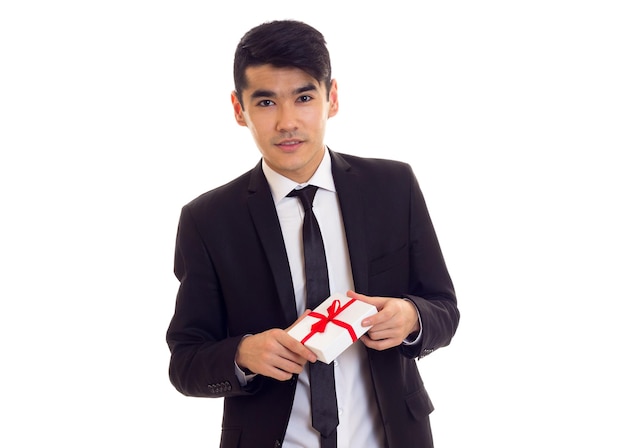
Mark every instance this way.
x=333 y=326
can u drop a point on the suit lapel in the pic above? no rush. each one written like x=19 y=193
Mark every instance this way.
x=353 y=208
x=263 y=212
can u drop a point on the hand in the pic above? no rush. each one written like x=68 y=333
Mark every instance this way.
x=395 y=320
x=274 y=353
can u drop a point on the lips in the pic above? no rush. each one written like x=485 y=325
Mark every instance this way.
x=289 y=145
x=289 y=142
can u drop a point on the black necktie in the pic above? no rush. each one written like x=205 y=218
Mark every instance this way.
x=322 y=376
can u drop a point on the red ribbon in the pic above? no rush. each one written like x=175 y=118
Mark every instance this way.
x=333 y=310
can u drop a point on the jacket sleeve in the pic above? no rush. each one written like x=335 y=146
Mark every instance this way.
x=430 y=286
x=202 y=361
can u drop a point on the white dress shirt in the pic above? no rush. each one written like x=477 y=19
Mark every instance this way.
x=360 y=424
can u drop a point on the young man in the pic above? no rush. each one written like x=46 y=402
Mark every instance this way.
x=239 y=258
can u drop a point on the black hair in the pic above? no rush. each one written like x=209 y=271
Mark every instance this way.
x=282 y=43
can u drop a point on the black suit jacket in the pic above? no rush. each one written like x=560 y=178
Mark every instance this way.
x=235 y=280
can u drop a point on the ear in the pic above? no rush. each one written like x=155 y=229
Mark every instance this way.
x=333 y=99
x=238 y=109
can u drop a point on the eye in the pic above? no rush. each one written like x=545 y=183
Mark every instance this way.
x=265 y=103
x=305 y=98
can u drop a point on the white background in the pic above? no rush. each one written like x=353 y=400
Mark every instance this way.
x=114 y=114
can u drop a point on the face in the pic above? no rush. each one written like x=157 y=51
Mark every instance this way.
x=286 y=111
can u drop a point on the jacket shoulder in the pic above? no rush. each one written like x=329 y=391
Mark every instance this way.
x=370 y=164
x=372 y=171
x=222 y=195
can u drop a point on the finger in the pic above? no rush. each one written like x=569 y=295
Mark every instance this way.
x=290 y=365
x=380 y=335
x=376 y=301
x=383 y=344
x=280 y=374
x=398 y=316
x=383 y=319
x=296 y=347
x=270 y=351
x=281 y=364
x=303 y=353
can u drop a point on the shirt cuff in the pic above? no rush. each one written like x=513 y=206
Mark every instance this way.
x=412 y=338
x=243 y=377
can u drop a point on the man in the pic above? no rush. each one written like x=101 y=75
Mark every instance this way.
x=239 y=258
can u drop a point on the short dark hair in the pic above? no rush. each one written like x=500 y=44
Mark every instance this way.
x=282 y=43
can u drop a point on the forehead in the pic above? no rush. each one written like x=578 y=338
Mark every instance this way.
x=278 y=80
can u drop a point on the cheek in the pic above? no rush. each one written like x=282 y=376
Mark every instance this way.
x=321 y=123
x=259 y=123
x=313 y=120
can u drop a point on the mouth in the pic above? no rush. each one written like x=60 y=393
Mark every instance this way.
x=289 y=144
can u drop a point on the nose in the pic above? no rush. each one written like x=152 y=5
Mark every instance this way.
x=286 y=121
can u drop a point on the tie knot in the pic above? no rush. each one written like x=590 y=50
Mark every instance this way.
x=305 y=194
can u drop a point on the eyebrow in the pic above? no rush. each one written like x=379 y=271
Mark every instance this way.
x=271 y=94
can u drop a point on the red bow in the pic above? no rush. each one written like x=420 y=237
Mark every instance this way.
x=333 y=310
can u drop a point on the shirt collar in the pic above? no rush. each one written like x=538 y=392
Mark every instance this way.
x=280 y=186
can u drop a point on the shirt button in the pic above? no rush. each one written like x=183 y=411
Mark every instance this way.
x=340 y=411
x=335 y=362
